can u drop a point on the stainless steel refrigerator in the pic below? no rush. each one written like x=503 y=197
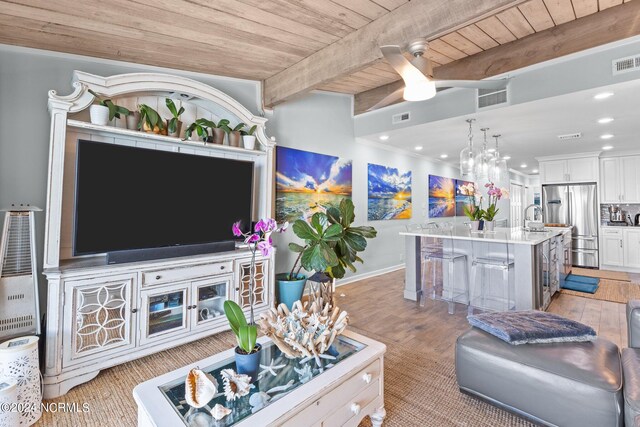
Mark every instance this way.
x=577 y=206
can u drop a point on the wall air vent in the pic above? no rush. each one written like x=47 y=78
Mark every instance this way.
x=399 y=118
x=576 y=135
x=492 y=97
x=624 y=65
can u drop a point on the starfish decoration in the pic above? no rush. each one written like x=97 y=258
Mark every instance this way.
x=271 y=368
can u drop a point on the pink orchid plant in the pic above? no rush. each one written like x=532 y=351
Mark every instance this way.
x=495 y=194
x=258 y=240
x=473 y=210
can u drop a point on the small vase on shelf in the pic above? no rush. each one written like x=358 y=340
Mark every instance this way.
x=476 y=226
x=489 y=226
x=99 y=115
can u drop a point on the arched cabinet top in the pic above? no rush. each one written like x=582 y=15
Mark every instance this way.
x=154 y=83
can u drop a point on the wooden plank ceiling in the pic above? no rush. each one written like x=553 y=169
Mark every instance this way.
x=507 y=26
x=258 y=39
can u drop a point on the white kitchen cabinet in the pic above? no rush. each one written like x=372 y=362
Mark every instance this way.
x=580 y=169
x=632 y=248
x=619 y=179
x=612 y=247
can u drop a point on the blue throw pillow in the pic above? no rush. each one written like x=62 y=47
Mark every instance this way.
x=531 y=327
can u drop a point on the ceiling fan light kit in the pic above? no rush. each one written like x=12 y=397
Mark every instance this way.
x=419 y=91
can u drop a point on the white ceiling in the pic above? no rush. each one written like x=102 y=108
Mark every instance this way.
x=531 y=129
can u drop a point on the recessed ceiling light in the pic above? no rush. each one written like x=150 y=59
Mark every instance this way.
x=603 y=95
x=524 y=165
x=383 y=137
x=418 y=147
x=535 y=171
x=605 y=120
x=444 y=156
x=607 y=147
x=606 y=136
x=506 y=157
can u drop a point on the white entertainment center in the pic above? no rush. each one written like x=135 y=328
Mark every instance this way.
x=101 y=315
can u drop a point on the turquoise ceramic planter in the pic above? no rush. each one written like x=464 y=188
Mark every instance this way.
x=289 y=291
x=248 y=364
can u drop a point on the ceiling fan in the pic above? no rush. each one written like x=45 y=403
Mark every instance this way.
x=418 y=75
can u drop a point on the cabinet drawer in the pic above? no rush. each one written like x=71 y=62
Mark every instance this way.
x=178 y=274
x=612 y=231
x=353 y=407
x=342 y=395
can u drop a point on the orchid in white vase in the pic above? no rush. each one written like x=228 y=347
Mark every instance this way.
x=258 y=240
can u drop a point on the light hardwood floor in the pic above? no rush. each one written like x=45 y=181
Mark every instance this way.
x=377 y=306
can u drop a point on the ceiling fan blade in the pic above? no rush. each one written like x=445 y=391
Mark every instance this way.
x=473 y=84
x=408 y=72
x=389 y=99
x=424 y=65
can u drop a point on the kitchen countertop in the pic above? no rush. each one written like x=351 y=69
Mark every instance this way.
x=515 y=235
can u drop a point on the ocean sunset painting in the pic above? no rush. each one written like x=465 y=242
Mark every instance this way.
x=442 y=201
x=389 y=193
x=308 y=182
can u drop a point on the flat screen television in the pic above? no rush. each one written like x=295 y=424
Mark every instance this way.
x=136 y=199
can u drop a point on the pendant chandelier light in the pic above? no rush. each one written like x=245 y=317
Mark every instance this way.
x=484 y=160
x=468 y=155
x=499 y=173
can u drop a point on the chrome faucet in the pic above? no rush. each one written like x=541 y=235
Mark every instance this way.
x=536 y=210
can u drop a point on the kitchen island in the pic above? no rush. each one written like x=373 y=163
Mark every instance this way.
x=541 y=259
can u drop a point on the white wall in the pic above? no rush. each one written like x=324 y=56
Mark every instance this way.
x=322 y=123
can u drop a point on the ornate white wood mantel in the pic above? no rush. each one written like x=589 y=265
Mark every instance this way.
x=101 y=315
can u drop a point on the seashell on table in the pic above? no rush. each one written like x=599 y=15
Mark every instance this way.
x=200 y=388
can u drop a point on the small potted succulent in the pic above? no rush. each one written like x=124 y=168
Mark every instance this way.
x=174 y=125
x=248 y=137
x=247 y=352
x=201 y=127
x=218 y=131
x=233 y=135
x=105 y=110
x=150 y=120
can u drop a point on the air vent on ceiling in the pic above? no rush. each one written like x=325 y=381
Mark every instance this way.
x=492 y=97
x=399 y=118
x=624 y=65
x=576 y=135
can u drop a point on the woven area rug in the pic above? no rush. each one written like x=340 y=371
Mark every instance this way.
x=420 y=389
x=602 y=274
x=610 y=290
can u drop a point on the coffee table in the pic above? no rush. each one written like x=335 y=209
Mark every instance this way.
x=341 y=392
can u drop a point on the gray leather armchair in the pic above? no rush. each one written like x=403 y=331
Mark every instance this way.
x=631 y=366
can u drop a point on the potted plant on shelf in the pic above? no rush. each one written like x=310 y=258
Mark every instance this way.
x=233 y=135
x=150 y=120
x=174 y=125
x=248 y=137
x=201 y=127
x=473 y=210
x=494 y=194
x=105 y=111
x=247 y=352
x=218 y=130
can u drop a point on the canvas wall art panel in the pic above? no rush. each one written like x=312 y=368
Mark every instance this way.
x=307 y=182
x=461 y=199
x=442 y=201
x=389 y=191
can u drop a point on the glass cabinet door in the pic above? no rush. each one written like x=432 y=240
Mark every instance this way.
x=209 y=296
x=164 y=312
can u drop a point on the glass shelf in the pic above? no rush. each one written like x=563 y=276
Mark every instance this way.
x=289 y=372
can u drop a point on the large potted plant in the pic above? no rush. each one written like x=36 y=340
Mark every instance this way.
x=495 y=194
x=473 y=210
x=247 y=352
x=331 y=247
x=105 y=110
x=174 y=125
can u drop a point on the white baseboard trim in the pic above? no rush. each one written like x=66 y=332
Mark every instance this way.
x=369 y=274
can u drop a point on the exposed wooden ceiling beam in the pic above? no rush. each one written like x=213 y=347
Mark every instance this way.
x=418 y=18
x=610 y=25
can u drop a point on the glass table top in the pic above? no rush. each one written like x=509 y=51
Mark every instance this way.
x=278 y=377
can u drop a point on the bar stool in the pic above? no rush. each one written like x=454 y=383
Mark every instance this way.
x=492 y=293
x=441 y=252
